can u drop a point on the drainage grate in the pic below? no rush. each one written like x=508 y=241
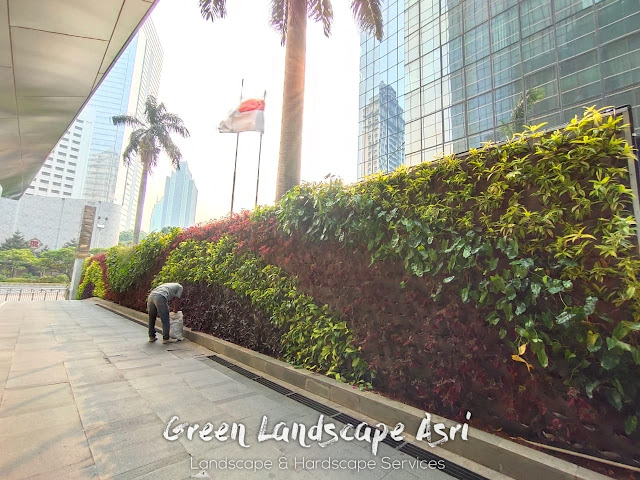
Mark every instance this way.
x=221 y=361
x=234 y=367
x=245 y=373
x=344 y=418
x=313 y=404
x=391 y=442
x=273 y=386
x=450 y=468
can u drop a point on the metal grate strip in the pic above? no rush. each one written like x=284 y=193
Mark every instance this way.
x=313 y=404
x=273 y=386
x=344 y=418
x=450 y=468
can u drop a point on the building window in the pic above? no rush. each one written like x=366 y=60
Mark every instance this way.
x=55 y=191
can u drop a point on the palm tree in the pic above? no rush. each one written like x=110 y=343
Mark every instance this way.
x=289 y=17
x=147 y=140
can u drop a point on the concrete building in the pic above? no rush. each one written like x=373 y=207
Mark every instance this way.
x=177 y=208
x=55 y=221
x=64 y=170
x=461 y=68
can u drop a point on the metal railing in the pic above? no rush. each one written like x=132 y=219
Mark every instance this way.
x=31 y=294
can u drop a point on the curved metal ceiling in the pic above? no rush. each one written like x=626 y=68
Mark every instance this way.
x=53 y=55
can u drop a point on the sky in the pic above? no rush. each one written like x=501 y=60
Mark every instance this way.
x=203 y=67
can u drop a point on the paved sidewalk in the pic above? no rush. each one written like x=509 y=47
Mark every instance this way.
x=84 y=395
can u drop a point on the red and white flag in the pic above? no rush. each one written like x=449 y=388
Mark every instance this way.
x=248 y=117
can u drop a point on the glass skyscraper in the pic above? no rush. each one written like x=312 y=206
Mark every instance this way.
x=469 y=71
x=111 y=98
x=178 y=206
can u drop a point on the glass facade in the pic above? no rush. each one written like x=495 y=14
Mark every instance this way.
x=469 y=71
x=111 y=98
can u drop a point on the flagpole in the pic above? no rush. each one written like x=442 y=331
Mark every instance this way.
x=235 y=165
x=259 y=154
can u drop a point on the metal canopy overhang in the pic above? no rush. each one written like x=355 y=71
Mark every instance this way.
x=53 y=55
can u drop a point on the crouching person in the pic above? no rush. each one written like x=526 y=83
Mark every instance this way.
x=158 y=306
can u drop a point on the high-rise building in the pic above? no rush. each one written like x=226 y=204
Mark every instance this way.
x=145 y=81
x=178 y=206
x=470 y=71
x=64 y=170
x=111 y=98
x=87 y=162
x=383 y=128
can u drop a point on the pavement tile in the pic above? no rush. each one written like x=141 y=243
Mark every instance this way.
x=172 y=467
x=114 y=426
x=225 y=391
x=115 y=410
x=120 y=460
x=248 y=406
x=46 y=375
x=16 y=402
x=98 y=374
x=106 y=418
x=54 y=448
x=85 y=470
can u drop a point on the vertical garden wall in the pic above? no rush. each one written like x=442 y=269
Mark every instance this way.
x=504 y=283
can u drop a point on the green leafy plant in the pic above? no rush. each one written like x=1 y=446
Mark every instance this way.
x=92 y=280
x=314 y=337
x=126 y=265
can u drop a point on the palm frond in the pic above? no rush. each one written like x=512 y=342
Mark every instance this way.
x=126 y=120
x=152 y=110
x=369 y=16
x=279 y=15
x=321 y=11
x=173 y=123
x=133 y=147
x=212 y=9
x=172 y=150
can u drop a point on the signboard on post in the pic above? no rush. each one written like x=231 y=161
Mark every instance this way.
x=86 y=231
x=84 y=245
x=35 y=243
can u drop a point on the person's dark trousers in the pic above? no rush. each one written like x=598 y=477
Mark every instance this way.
x=157 y=306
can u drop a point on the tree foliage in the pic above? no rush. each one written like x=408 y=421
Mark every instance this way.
x=15 y=241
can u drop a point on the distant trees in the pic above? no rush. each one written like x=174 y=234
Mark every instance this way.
x=73 y=243
x=24 y=262
x=126 y=237
x=15 y=241
x=17 y=259
x=56 y=261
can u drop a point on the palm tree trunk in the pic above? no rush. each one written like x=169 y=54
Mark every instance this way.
x=292 y=99
x=141 y=193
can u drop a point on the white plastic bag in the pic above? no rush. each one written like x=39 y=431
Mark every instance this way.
x=176 y=323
